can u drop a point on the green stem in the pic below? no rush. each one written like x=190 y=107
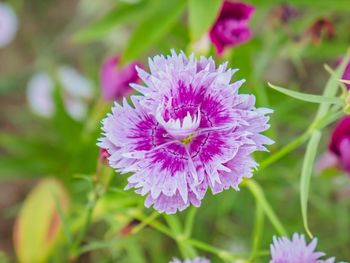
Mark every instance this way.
x=315 y=125
x=258 y=229
x=190 y=221
x=260 y=198
x=223 y=254
x=187 y=251
x=145 y=222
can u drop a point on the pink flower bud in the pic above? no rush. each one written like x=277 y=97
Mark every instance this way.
x=231 y=28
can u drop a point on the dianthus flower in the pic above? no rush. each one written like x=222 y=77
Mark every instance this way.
x=284 y=250
x=232 y=26
x=195 y=260
x=190 y=130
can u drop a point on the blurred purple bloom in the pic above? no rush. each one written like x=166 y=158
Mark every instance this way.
x=195 y=260
x=8 y=24
x=115 y=82
x=340 y=143
x=284 y=250
x=231 y=28
x=191 y=130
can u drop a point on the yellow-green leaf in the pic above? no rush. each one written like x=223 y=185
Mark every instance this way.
x=38 y=224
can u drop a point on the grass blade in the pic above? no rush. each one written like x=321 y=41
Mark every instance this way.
x=306 y=173
x=307 y=97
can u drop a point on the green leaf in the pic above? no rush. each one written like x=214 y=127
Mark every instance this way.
x=308 y=164
x=311 y=150
x=38 y=224
x=307 y=97
x=117 y=16
x=202 y=15
x=153 y=28
x=260 y=198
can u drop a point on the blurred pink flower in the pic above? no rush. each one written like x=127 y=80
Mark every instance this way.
x=8 y=24
x=114 y=81
x=340 y=143
x=231 y=28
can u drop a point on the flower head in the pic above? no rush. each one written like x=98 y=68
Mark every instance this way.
x=195 y=260
x=340 y=143
x=190 y=131
x=231 y=27
x=8 y=24
x=115 y=82
x=284 y=250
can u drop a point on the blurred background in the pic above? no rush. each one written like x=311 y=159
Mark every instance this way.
x=52 y=100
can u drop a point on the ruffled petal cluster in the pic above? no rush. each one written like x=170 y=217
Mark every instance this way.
x=188 y=131
x=296 y=250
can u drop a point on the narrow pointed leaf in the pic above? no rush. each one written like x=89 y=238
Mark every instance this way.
x=306 y=173
x=307 y=97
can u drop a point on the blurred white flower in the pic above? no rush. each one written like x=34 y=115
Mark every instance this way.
x=76 y=108
x=8 y=24
x=74 y=83
x=39 y=94
x=77 y=90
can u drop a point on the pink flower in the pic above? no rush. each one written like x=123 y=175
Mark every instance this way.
x=190 y=130
x=114 y=81
x=296 y=250
x=231 y=28
x=340 y=143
